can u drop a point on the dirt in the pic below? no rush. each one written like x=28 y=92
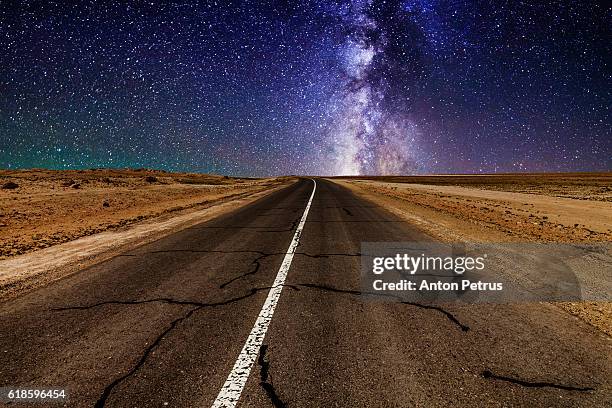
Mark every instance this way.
x=580 y=186
x=50 y=207
x=518 y=216
x=567 y=208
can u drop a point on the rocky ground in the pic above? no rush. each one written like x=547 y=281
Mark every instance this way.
x=41 y=208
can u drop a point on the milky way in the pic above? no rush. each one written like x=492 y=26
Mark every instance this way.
x=367 y=137
x=309 y=87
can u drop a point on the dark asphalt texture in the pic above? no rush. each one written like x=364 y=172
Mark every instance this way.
x=162 y=325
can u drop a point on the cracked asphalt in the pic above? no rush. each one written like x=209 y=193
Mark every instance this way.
x=163 y=324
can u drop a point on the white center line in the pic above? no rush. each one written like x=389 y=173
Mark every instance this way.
x=231 y=390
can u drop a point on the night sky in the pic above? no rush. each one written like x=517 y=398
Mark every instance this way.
x=312 y=87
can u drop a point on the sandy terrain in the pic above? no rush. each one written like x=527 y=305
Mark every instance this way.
x=504 y=208
x=581 y=186
x=51 y=207
x=497 y=215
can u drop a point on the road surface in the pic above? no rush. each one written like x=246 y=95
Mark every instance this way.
x=164 y=324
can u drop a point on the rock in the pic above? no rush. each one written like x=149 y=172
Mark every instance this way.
x=151 y=179
x=9 y=185
x=76 y=186
x=105 y=204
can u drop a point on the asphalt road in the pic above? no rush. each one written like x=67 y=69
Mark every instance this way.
x=163 y=324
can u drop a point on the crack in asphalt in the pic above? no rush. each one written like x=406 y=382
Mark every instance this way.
x=101 y=402
x=295 y=223
x=264 y=374
x=196 y=306
x=257 y=262
x=533 y=384
x=256 y=266
x=171 y=301
x=448 y=314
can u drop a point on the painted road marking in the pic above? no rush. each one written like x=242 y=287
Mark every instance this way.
x=231 y=390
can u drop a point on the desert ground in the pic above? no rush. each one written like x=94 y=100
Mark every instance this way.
x=565 y=207
x=500 y=208
x=41 y=208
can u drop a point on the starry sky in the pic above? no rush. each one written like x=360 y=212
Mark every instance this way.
x=262 y=88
